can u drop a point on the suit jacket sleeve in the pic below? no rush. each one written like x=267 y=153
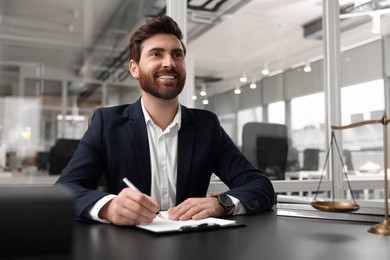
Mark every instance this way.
x=114 y=146
x=249 y=185
x=213 y=151
x=86 y=168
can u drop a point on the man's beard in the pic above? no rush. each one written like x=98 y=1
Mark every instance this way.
x=149 y=85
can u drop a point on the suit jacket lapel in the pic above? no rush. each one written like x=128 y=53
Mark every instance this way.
x=184 y=153
x=139 y=137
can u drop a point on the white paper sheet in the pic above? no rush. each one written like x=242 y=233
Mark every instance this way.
x=160 y=225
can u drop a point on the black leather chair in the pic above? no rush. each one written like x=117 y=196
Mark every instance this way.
x=60 y=154
x=311 y=159
x=272 y=156
x=292 y=159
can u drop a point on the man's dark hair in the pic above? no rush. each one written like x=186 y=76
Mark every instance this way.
x=159 y=24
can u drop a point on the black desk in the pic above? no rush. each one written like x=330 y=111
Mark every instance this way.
x=266 y=236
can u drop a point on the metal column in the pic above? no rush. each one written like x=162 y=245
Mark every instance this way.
x=177 y=9
x=331 y=32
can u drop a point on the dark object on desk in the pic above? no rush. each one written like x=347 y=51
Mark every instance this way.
x=60 y=155
x=272 y=156
x=207 y=227
x=35 y=221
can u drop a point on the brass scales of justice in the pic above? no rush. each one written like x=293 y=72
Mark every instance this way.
x=382 y=228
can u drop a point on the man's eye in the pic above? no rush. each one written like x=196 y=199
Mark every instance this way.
x=154 y=54
x=178 y=55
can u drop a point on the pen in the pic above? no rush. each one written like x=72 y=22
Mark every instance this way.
x=131 y=185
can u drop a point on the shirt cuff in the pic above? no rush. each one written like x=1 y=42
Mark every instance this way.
x=93 y=211
x=239 y=209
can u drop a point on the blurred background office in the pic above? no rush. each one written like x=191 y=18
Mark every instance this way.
x=248 y=61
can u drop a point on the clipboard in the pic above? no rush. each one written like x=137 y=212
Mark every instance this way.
x=165 y=225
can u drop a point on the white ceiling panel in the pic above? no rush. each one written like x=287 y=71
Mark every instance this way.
x=90 y=36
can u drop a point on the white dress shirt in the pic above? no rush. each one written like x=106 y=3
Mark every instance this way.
x=163 y=158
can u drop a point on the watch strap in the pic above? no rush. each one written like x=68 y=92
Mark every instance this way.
x=227 y=209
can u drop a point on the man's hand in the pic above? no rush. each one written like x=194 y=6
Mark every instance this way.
x=196 y=208
x=130 y=207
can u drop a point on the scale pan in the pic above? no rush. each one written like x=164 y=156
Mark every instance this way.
x=335 y=206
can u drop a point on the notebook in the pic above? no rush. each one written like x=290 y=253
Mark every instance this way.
x=165 y=225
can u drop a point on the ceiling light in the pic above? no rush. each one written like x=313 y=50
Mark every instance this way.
x=237 y=90
x=253 y=85
x=265 y=70
x=243 y=78
x=307 y=67
x=205 y=102
x=194 y=97
x=376 y=23
x=203 y=92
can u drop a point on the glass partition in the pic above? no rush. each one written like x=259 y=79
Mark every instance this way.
x=121 y=94
x=245 y=116
x=307 y=126
x=363 y=145
x=276 y=113
x=53 y=75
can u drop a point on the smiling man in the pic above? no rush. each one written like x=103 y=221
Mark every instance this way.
x=167 y=151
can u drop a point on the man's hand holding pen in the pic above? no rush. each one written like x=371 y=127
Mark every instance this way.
x=130 y=207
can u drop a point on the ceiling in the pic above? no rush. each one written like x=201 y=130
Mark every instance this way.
x=227 y=38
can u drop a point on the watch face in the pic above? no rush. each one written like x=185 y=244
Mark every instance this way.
x=225 y=200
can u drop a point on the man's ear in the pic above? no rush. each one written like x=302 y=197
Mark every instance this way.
x=133 y=68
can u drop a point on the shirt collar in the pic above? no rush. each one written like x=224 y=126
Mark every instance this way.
x=176 y=119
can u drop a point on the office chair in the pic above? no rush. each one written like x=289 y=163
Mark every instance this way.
x=60 y=155
x=293 y=159
x=254 y=130
x=272 y=156
x=348 y=159
x=311 y=159
x=42 y=160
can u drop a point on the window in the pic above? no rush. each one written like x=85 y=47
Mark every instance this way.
x=228 y=123
x=245 y=116
x=362 y=101
x=307 y=121
x=276 y=113
x=363 y=145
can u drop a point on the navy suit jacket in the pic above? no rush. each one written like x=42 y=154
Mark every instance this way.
x=116 y=145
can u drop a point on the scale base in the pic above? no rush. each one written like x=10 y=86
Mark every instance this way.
x=382 y=228
x=335 y=206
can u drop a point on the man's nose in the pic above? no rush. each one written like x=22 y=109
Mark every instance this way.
x=169 y=62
